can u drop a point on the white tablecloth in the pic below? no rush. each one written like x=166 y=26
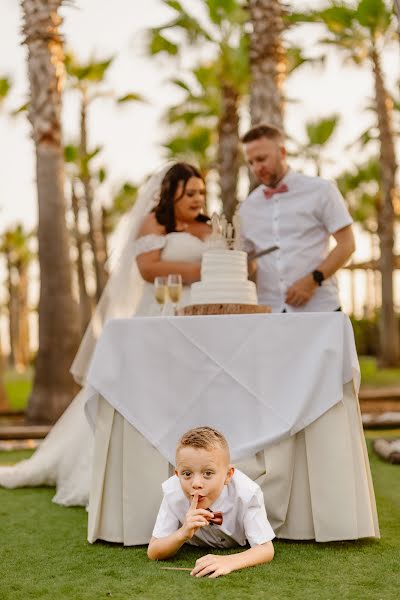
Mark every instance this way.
x=283 y=389
x=257 y=378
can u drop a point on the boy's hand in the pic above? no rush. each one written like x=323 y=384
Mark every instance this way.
x=195 y=518
x=211 y=563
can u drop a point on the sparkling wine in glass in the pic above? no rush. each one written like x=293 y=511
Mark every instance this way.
x=161 y=291
x=174 y=283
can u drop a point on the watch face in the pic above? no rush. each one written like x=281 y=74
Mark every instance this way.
x=318 y=277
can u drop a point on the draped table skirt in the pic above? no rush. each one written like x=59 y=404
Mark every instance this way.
x=312 y=467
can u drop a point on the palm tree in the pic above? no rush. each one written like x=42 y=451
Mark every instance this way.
x=7 y=249
x=5 y=87
x=15 y=247
x=85 y=303
x=267 y=62
x=88 y=80
x=319 y=133
x=53 y=385
x=122 y=201
x=205 y=115
x=361 y=32
x=224 y=32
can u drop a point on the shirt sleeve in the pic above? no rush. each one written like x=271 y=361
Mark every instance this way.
x=256 y=524
x=335 y=214
x=166 y=522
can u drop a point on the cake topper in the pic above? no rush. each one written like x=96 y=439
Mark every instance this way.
x=224 y=234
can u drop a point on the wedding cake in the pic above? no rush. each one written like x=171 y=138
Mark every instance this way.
x=224 y=279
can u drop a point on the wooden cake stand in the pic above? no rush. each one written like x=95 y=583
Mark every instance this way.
x=223 y=309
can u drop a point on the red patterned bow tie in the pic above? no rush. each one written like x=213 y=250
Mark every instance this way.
x=217 y=519
x=281 y=189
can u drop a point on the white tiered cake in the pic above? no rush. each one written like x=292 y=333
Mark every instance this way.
x=224 y=279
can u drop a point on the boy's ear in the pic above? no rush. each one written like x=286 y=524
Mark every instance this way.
x=229 y=474
x=176 y=473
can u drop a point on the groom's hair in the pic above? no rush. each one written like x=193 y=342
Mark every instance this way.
x=260 y=131
x=205 y=438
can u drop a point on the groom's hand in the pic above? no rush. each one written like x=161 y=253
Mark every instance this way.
x=301 y=291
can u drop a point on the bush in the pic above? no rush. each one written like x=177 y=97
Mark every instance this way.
x=366 y=334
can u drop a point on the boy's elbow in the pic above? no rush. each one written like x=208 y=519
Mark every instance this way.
x=151 y=552
x=269 y=551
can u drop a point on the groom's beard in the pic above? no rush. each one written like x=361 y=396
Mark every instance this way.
x=276 y=177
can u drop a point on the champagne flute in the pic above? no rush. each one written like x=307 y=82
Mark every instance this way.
x=161 y=291
x=174 y=283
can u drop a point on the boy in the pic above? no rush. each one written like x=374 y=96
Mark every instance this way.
x=208 y=503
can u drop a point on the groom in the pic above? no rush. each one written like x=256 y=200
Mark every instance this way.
x=298 y=214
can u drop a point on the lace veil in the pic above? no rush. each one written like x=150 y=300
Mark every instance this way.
x=124 y=287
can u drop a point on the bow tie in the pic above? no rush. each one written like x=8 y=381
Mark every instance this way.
x=217 y=519
x=281 y=189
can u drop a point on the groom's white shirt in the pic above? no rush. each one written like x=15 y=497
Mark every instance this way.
x=299 y=221
x=241 y=503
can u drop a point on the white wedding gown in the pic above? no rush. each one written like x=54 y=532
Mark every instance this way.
x=64 y=458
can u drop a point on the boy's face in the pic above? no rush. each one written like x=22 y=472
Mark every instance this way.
x=203 y=472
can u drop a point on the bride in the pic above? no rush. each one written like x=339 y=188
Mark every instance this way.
x=165 y=234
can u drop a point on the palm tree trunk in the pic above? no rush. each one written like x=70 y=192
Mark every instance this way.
x=4 y=401
x=104 y=232
x=94 y=238
x=228 y=149
x=389 y=331
x=23 y=352
x=53 y=386
x=267 y=62
x=12 y=313
x=85 y=305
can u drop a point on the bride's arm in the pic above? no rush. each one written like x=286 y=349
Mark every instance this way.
x=150 y=266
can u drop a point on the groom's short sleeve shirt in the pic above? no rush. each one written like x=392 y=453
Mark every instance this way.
x=299 y=221
x=241 y=503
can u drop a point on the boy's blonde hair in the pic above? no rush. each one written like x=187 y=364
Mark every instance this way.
x=205 y=438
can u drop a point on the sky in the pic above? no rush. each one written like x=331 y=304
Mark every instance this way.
x=132 y=134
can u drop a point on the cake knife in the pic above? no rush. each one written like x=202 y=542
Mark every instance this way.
x=260 y=253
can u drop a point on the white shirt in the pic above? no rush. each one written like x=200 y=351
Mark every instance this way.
x=241 y=503
x=299 y=221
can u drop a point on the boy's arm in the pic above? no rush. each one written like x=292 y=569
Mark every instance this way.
x=161 y=548
x=222 y=565
x=215 y=565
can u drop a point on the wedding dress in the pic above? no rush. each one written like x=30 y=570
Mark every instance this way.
x=64 y=458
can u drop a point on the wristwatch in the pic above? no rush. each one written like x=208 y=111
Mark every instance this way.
x=318 y=277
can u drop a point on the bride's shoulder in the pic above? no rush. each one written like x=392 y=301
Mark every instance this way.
x=150 y=226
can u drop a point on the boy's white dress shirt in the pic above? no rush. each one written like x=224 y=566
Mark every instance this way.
x=241 y=503
x=299 y=221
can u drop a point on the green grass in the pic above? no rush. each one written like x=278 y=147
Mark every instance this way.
x=371 y=376
x=18 y=387
x=43 y=554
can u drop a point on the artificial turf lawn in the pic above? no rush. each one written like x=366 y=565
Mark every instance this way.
x=43 y=554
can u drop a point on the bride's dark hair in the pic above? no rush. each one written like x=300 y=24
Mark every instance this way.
x=164 y=211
